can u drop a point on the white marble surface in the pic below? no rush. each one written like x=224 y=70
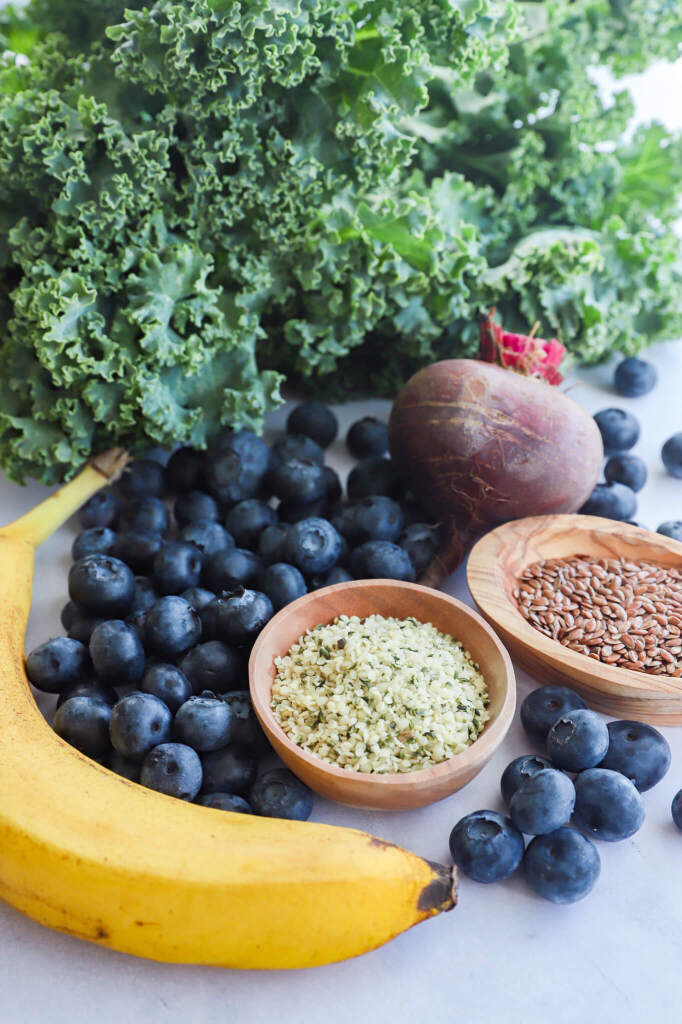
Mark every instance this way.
x=503 y=955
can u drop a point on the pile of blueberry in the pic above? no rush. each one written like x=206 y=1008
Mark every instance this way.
x=164 y=609
x=624 y=473
x=591 y=773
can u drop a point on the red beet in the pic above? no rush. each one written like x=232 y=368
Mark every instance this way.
x=481 y=445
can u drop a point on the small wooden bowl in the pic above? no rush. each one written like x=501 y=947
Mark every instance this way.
x=500 y=556
x=399 y=791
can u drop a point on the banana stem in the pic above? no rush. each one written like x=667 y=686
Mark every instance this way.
x=37 y=525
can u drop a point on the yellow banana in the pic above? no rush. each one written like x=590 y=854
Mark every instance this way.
x=87 y=852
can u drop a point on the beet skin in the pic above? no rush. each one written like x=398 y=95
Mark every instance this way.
x=481 y=445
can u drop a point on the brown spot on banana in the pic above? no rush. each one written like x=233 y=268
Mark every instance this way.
x=441 y=893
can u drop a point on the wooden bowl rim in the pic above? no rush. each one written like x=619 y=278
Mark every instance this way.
x=489 y=551
x=481 y=749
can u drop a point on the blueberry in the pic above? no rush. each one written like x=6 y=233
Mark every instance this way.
x=143 y=478
x=671 y=528
x=158 y=454
x=342 y=519
x=543 y=802
x=198 y=597
x=312 y=545
x=638 y=751
x=136 y=620
x=230 y=770
x=413 y=512
x=271 y=543
x=83 y=721
x=379 y=559
x=612 y=501
x=204 y=723
x=635 y=377
x=117 y=653
x=279 y=794
x=184 y=470
x=282 y=583
x=336 y=575
x=173 y=769
x=542 y=707
x=212 y=666
x=344 y=554
x=167 y=682
x=239 y=468
x=367 y=437
x=231 y=568
x=314 y=419
x=292 y=511
x=242 y=614
x=618 y=428
x=247 y=520
x=67 y=615
x=333 y=489
x=139 y=721
x=519 y=771
x=209 y=615
x=82 y=625
x=123 y=766
x=373 y=518
x=149 y=515
x=145 y=595
x=486 y=846
x=578 y=739
x=626 y=469
x=607 y=805
x=671 y=454
x=102 y=585
x=195 y=506
x=100 y=510
x=89 y=688
x=248 y=732
x=177 y=566
x=93 y=541
x=225 y=802
x=562 y=866
x=138 y=549
x=57 y=664
x=301 y=480
x=172 y=626
x=296 y=446
x=375 y=475
x=208 y=536
x=676 y=809
x=421 y=542
x=245 y=443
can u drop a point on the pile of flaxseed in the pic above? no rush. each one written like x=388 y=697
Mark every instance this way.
x=611 y=609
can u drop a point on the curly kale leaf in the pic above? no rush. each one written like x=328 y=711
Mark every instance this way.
x=576 y=226
x=198 y=196
x=207 y=182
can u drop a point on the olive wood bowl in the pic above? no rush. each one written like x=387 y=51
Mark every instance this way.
x=495 y=563
x=395 y=791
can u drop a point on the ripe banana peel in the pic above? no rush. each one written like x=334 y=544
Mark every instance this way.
x=89 y=853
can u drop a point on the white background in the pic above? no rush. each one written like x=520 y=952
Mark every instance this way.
x=503 y=955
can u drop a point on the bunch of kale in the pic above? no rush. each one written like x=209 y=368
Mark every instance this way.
x=197 y=197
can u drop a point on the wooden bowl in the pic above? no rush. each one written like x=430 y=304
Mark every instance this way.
x=500 y=556
x=399 y=791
